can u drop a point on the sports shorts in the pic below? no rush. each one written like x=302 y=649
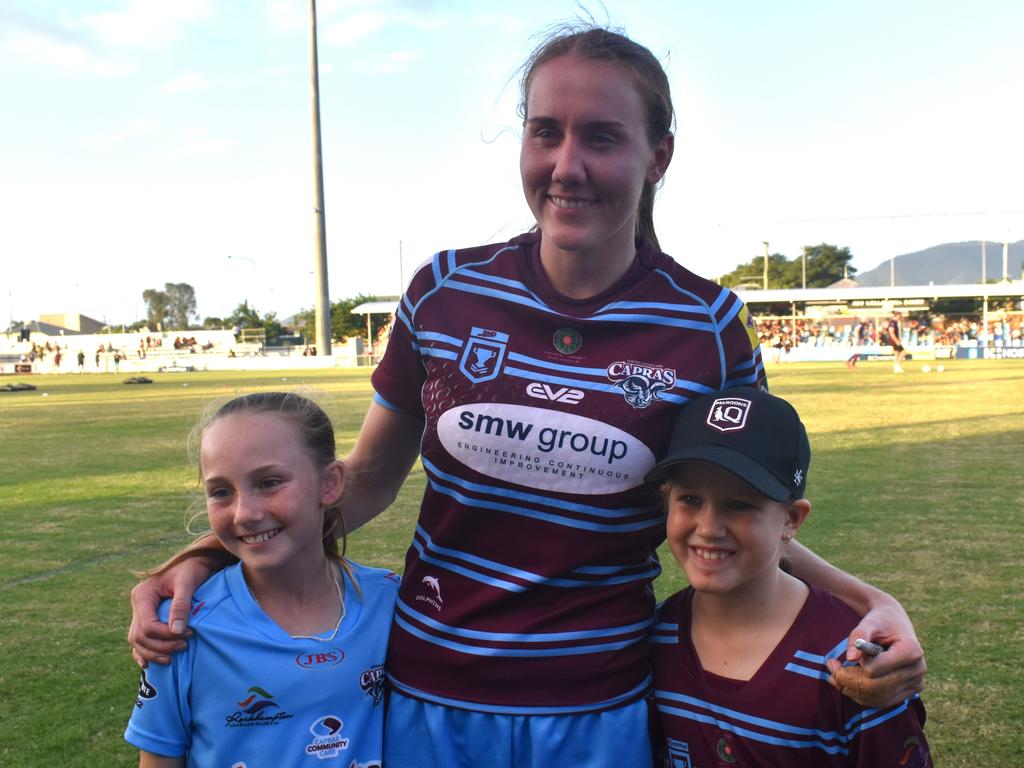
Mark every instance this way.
x=420 y=734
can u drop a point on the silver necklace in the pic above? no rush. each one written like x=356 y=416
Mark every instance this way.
x=341 y=616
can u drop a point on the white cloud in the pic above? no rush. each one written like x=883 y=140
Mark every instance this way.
x=188 y=81
x=198 y=143
x=388 y=63
x=136 y=128
x=147 y=22
x=355 y=28
x=65 y=54
x=285 y=17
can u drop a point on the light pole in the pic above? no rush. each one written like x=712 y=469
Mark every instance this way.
x=323 y=302
x=805 y=267
x=765 y=264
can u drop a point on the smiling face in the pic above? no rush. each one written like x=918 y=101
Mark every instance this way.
x=725 y=535
x=585 y=158
x=264 y=494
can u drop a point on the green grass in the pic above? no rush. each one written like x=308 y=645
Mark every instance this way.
x=915 y=481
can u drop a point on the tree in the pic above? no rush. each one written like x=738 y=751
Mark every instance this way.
x=156 y=308
x=343 y=323
x=245 y=316
x=826 y=264
x=173 y=307
x=181 y=304
x=752 y=273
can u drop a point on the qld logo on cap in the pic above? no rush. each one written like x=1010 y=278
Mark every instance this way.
x=728 y=414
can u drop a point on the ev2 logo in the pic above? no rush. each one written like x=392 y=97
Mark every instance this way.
x=565 y=395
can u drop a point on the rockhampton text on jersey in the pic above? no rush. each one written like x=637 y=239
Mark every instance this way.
x=527 y=587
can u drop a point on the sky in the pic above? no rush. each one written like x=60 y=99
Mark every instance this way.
x=146 y=141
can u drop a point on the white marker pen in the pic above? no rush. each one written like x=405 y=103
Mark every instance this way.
x=871 y=649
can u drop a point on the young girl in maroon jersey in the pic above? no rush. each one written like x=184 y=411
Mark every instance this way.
x=520 y=631
x=741 y=657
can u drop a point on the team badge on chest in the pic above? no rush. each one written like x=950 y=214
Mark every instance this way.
x=640 y=383
x=483 y=355
x=567 y=340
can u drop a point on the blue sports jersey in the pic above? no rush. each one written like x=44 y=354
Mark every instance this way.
x=245 y=694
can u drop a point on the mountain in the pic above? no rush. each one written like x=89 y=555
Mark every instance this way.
x=948 y=264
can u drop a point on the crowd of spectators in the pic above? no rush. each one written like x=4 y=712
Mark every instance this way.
x=918 y=330
x=189 y=343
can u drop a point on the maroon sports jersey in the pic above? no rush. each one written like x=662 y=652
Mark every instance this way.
x=527 y=585
x=787 y=715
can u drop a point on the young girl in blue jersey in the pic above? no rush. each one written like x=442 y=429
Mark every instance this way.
x=286 y=662
x=520 y=633
x=741 y=657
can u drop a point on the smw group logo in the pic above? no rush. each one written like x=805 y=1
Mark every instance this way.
x=483 y=355
x=257 y=708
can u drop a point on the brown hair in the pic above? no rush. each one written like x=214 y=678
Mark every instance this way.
x=597 y=43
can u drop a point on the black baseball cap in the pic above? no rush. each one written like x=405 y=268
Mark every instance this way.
x=756 y=436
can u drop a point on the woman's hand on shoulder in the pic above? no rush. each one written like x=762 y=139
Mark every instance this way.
x=892 y=676
x=150 y=638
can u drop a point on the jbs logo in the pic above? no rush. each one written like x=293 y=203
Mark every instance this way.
x=565 y=395
x=325 y=660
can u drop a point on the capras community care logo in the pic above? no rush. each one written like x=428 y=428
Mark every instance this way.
x=327 y=739
x=544 y=449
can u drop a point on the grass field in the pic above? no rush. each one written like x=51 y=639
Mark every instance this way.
x=916 y=482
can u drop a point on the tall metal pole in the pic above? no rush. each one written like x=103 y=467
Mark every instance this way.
x=323 y=302
x=1006 y=261
x=765 y=264
x=984 y=275
x=805 y=268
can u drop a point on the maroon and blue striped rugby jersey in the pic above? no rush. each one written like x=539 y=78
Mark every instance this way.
x=527 y=588
x=787 y=715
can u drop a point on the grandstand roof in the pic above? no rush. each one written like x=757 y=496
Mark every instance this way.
x=884 y=293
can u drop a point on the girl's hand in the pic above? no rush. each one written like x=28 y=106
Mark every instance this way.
x=890 y=677
x=150 y=638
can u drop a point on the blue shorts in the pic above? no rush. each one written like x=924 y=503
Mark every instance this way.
x=419 y=734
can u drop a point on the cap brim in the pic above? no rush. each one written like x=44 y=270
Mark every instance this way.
x=732 y=461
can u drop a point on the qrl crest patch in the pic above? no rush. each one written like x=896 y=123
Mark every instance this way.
x=728 y=414
x=484 y=355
